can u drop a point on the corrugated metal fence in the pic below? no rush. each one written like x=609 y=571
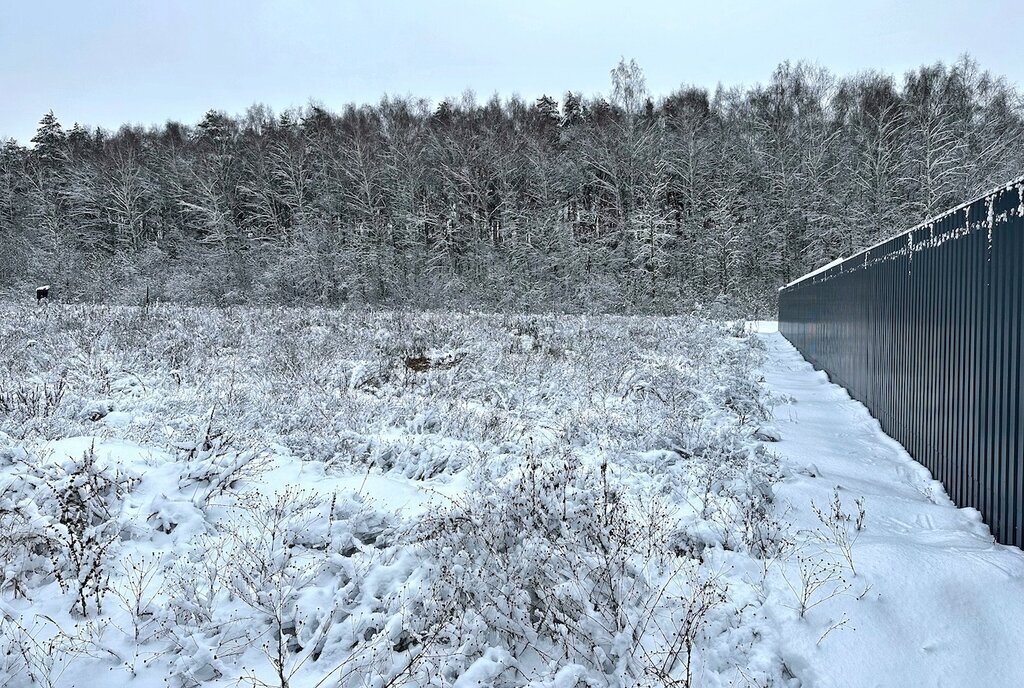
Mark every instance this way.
x=925 y=330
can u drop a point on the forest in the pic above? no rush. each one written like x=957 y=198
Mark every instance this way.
x=627 y=203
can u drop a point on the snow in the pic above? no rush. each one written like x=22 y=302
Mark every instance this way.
x=547 y=501
x=936 y=602
x=429 y=499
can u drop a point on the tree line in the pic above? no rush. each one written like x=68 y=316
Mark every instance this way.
x=630 y=203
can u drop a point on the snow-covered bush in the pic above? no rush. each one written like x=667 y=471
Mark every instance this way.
x=212 y=463
x=62 y=518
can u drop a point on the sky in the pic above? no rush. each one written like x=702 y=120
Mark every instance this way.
x=106 y=63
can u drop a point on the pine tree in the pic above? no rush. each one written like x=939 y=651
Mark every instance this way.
x=547 y=107
x=78 y=138
x=214 y=128
x=573 y=112
x=49 y=141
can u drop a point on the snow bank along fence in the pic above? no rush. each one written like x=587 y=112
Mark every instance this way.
x=925 y=329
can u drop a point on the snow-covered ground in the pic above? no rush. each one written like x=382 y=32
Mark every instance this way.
x=300 y=497
x=935 y=602
x=320 y=498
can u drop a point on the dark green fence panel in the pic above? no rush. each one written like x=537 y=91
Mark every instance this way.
x=925 y=329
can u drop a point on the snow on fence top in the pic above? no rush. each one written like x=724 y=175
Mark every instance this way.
x=1017 y=183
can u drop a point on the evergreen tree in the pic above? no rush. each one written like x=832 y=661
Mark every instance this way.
x=49 y=141
x=547 y=107
x=573 y=112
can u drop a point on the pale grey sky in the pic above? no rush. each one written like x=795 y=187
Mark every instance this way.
x=146 y=61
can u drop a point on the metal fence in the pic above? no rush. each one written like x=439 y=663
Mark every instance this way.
x=925 y=329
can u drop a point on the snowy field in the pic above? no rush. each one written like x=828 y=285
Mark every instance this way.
x=254 y=497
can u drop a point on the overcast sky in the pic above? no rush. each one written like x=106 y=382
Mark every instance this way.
x=146 y=61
